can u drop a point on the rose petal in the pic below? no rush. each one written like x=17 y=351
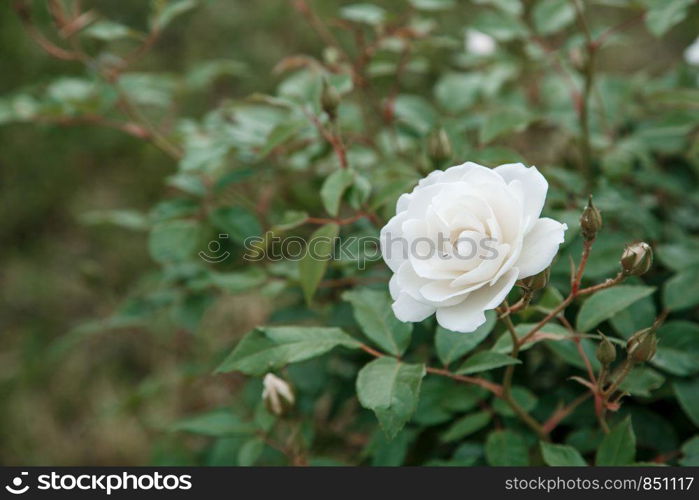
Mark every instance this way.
x=470 y=314
x=540 y=246
x=407 y=308
x=532 y=185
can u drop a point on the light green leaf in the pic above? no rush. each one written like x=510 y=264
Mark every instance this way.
x=315 y=261
x=108 y=31
x=525 y=398
x=506 y=448
x=173 y=241
x=218 y=423
x=500 y=25
x=551 y=16
x=269 y=348
x=465 y=426
x=416 y=113
x=687 y=392
x=690 y=452
x=334 y=187
x=433 y=5
x=504 y=121
x=682 y=290
x=236 y=282
x=457 y=91
x=391 y=389
x=606 y=303
x=664 y=14
x=365 y=13
x=452 y=345
x=164 y=11
x=618 y=447
x=290 y=219
x=678 y=348
x=372 y=310
x=561 y=455
x=237 y=222
x=486 y=360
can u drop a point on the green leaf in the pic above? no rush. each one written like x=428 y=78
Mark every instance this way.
x=664 y=14
x=236 y=282
x=173 y=241
x=618 y=447
x=504 y=121
x=641 y=381
x=237 y=222
x=433 y=5
x=568 y=351
x=500 y=25
x=682 y=290
x=415 y=113
x=218 y=423
x=290 y=219
x=506 y=448
x=391 y=389
x=315 y=261
x=551 y=16
x=561 y=455
x=372 y=310
x=606 y=303
x=457 y=91
x=334 y=187
x=167 y=10
x=678 y=348
x=250 y=451
x=486 y=360
x=690 y=452
x=365 y=13
x=269 y=348
x=452 y=345
x=108 y=31
x=465 y=426
x=687 y=392
x=524 y=397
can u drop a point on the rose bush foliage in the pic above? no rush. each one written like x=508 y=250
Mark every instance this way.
x=356 y=138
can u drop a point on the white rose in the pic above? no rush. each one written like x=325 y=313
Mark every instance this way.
x=691 y=53
x=277 y=394
x=461 y=239
x=479 y=43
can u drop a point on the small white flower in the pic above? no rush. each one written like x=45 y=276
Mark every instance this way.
x=462 y=238
x=691 y=53
x=277 y=394
x=479 y=43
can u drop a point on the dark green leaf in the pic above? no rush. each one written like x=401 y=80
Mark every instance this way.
x=486 y=360
x=619 y=446
x=506 y=448
x=678 y=348
x=561 y=455
x=315 y=261
x=551 y=16
x=465 y=426
x=269 y=348
x=664 y=14
x=504 y=121
x=687 y=392
x=237 y=222
x=217 y=423
x=606 y=303
x=682 y=290
x=173 y=241
x=334 y=187
x=690 y=452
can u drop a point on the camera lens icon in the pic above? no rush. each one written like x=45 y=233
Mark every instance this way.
x=16 y=487
x=214 y=254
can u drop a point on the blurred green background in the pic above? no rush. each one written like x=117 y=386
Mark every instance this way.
x=106 y=398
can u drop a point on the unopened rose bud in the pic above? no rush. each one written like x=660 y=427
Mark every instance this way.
x=329 y=100
x=642 y=345
x=277 y=395
x=590 y=221
x=637 y=259
x=538 y=281
x=439 y=146
x=606 y=351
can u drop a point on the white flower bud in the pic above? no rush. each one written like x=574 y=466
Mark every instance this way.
x=277 y=394
x=479 y=43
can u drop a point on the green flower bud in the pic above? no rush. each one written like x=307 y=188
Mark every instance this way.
x=538 y=281
x=642 y=345
x=329 y=100
x=606 y=351
x=590 y=221
x=637 y=259
x=439 y=146
x=277 y=395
